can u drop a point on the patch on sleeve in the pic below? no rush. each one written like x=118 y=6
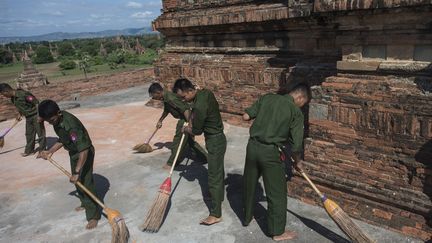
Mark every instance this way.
x=30 y=98
x=73 y=137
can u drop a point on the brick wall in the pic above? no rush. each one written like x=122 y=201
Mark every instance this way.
x=95 y=85
x=369 y=126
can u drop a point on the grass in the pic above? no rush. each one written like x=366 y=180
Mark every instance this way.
x=10 y=73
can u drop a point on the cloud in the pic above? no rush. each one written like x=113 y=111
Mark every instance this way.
x=56 y=13
x=75 y=21
x=134 y=5
x=142 y=15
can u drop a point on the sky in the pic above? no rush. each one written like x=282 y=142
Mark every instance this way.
x=35 y=17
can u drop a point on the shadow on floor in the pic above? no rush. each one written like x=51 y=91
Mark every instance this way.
x=325 y=232
x=234 y=190
x=11 y=150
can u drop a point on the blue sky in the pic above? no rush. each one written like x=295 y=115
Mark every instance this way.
x=34 y=17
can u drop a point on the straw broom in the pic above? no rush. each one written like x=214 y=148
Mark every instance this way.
x=120 y=232
x=145 y=147
x=339 y=216
x=2 y=142
x=156 y=213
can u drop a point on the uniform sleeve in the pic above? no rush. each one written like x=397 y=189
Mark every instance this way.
x=80 y=138
x=252 y=111
x=199 y=114
x=181 y=106
x=296 y=132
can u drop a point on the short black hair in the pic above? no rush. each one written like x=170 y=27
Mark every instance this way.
x=48 y=109
x=4 y=87
x=183 y=84
x=155 y=87
x=304 y=89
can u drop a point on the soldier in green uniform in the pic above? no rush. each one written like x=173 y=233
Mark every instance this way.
x=206 y=118
x=26 y=105
x=180 y=110
x=278 y=120
x=75 y=139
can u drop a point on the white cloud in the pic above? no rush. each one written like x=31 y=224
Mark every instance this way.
x=134 y=5
x=76 y=21
x=56 y=13
x=142 y=15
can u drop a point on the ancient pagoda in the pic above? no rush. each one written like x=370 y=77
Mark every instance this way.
x=30 y=77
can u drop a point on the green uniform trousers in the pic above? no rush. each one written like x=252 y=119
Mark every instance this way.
x=216 y=146
x=33 y=127
x=197 y=150
x=92 y=210
x=263 y=159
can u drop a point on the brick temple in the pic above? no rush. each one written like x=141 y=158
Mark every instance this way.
x=369 y=126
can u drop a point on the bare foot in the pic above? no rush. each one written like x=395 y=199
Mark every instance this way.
x=210 y=220
x=166 y=167
x=92 y=223
x=287 y=235
x=80 y=208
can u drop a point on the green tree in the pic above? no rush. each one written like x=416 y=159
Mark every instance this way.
x=84 y=64
x=5 y=56
x=65 y=49
x=67 y=64
x=43 y=55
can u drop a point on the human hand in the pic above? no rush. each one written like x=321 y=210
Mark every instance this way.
x=187 y=129
x=45 y=154
x=73 y=179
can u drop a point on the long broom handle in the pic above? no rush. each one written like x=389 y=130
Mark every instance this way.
x=79 y=184
x=10 y=128
x=148 y=140
x=310 y=182
x=177 y=153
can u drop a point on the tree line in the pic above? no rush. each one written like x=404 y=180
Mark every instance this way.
x=84 y=53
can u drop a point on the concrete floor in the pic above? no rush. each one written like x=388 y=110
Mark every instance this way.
x=37 y=201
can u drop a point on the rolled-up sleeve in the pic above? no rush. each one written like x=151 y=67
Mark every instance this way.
x=252 y=111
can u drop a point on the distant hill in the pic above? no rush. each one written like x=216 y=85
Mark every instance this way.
x=57 y=36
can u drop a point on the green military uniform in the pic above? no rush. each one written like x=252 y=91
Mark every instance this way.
x=277 y=121
x=206 y=119
x=75 y=139
x=26 y=104
x=176 y=107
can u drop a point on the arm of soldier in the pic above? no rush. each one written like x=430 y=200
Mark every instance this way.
x=163 y=116
x=296 y=139
x=252 y=111
x=46 y=154
x=81 y=161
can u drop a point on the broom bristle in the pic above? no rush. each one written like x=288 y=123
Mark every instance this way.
x=1 y=142
x=345 y=223
x=156 y=213
x=143 y=148
x=120 y=232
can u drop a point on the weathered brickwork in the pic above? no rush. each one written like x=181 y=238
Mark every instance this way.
x=369 y=126
x=81 y=87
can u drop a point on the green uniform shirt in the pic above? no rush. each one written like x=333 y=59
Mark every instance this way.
x=277 y=121
x=25 y=102
x=174 y=105
x=72 y=134
x=206 y=116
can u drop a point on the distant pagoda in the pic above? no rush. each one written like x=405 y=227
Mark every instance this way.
x=30 y=77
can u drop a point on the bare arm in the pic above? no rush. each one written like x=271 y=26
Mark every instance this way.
x=46 y=154
x=163 y=116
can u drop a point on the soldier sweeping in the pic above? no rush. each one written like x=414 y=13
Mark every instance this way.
x=26 y=104
x=278 y=120
x=74 y=137
x=180 y=110
x=206 y=118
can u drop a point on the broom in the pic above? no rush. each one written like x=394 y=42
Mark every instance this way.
x=145 y=147
x=6 y=132
x=120 y=232
x=156 y=213
x=339 y=216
